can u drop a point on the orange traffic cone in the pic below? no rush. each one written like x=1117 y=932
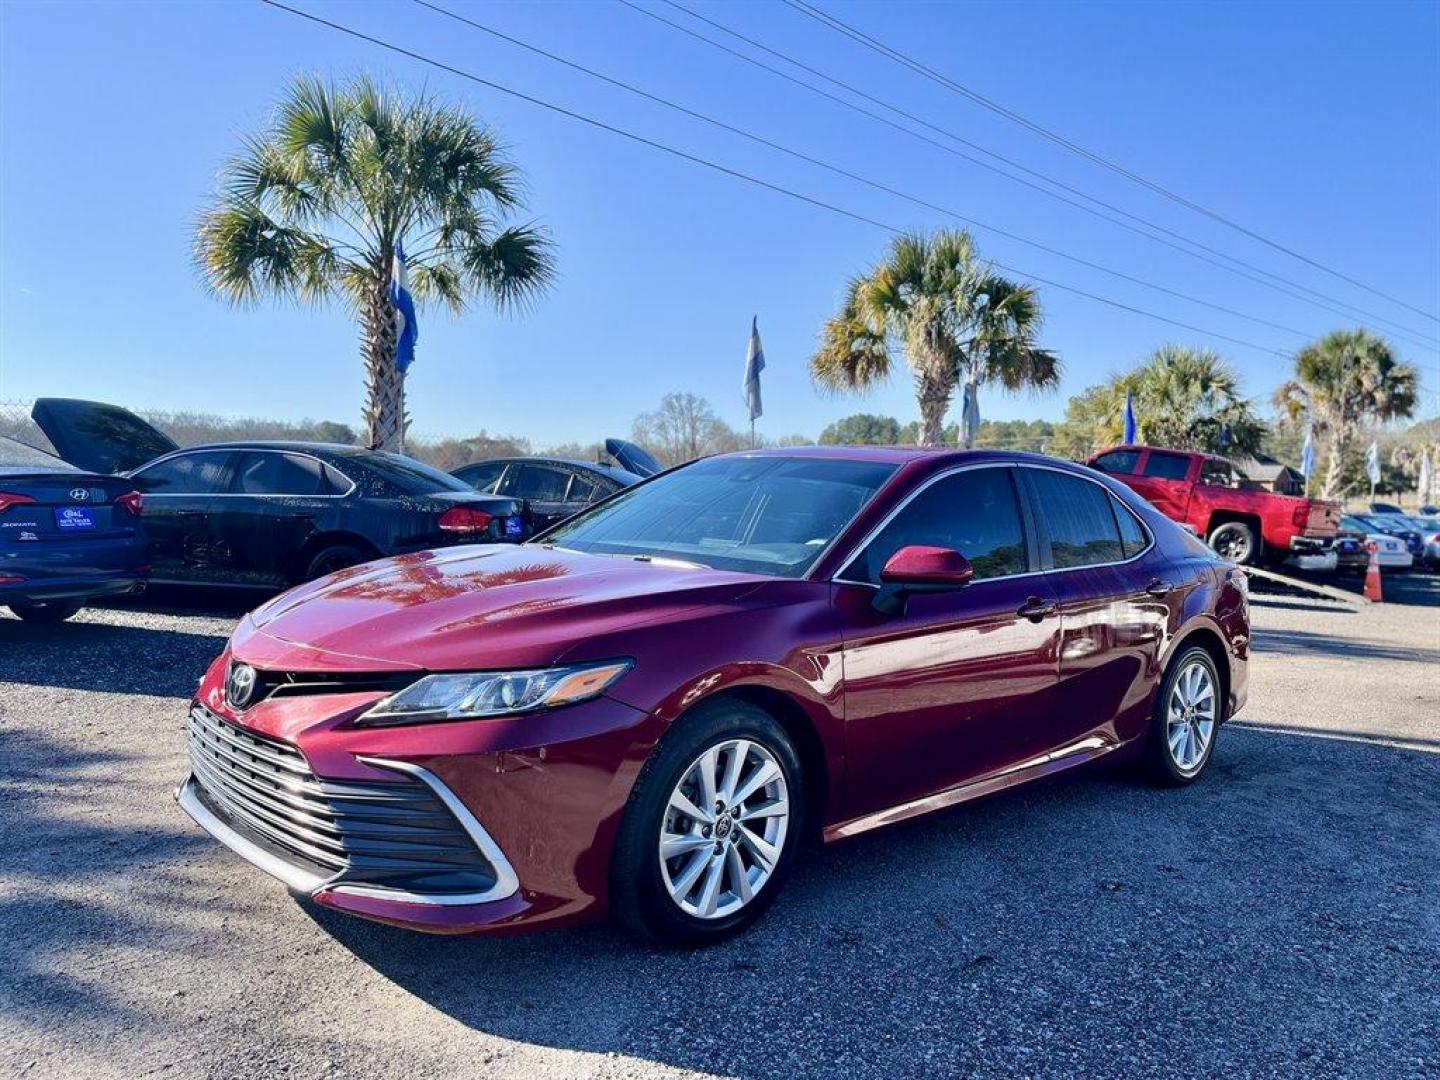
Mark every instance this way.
x=1372 y=575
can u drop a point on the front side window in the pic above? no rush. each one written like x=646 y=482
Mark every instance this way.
x=1167 y=466
x=186 y=474
x=1080 y=519
x=1119 y=462
x=762 y=515
x=974 y=512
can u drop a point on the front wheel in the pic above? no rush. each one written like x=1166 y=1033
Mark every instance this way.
x=711 y=828
x=47 y=611
x=1187 y=716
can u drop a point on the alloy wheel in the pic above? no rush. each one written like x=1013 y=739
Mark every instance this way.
x=724 y=829
x=1190 y=716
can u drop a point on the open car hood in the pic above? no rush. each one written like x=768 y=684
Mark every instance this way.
x=632 y=458
x=99 y=438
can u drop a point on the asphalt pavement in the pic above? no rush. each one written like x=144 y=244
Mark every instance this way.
x=1280 y=918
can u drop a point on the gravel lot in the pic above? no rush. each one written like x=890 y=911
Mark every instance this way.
x=1281 y=918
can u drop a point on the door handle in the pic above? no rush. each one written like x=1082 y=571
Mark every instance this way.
x=1158 y=588
x=1036 y=608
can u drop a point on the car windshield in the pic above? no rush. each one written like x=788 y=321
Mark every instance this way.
x=761 y=515
x=411 y=476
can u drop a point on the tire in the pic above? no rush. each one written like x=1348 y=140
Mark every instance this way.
x=1236 y=541
x=641 y=882
x=333 y=558
x=47 y=611
x=1169 y=759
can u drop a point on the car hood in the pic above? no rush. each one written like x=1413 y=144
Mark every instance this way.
x=470 y=608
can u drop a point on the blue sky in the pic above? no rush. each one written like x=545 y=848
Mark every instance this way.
x=1317 y=124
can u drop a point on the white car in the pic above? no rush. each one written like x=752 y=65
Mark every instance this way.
x=1391 y=554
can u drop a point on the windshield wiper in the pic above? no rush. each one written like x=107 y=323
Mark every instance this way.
x=664 y=560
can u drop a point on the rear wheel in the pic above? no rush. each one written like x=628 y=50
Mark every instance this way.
x=1236 y=541
x=47 y=611
x=711 y=829
x=333 y=558
x=1187 y=716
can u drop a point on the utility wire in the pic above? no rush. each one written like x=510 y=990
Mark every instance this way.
x=840 y=171
x=736 y=173
x=838 y=25
x=1327 y=303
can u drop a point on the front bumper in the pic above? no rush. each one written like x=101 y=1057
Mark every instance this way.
x=539 y=798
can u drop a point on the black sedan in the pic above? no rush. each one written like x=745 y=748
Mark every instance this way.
x=66 y=536
x=271 y=514
x=557 y=488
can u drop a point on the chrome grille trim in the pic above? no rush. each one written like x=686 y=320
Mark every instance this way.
x=258 y=795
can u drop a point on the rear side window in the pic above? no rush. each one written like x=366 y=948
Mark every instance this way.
x=187 y=474
x=484 y=477
x=1120 y=462
x=1133 y=538
x=581 y=489
x=1079 y=517
x=280 y=474
x=974 y=512
x=541 y=483
x=1167 y=466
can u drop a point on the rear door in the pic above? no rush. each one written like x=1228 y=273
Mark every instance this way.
x=956 y=687
x=1164 y=479
x=1115 y=602
x=181 y=491
x=263 y=522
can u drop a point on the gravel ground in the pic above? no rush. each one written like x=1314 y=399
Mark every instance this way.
x=1281 y=918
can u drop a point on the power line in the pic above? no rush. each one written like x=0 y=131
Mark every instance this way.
x=1332 y=304
x=735 y=173
x=840 y=171
x=835 y=23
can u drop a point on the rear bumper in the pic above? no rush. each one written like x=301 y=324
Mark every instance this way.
x=73 y=569
x=90 y=587
x=1314 y=561
x=1310 y=545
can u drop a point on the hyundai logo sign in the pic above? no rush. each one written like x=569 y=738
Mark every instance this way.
x=79 y=494
x=240 y=684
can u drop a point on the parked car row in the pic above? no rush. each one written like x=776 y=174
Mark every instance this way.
x=1249 y=524
x=248 y=514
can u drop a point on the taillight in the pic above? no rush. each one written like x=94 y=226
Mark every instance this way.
x=1302 y=514
x=133 y=503
x=8 y=499
x=464 y=519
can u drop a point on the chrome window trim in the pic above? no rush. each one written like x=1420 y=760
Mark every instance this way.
x=243 y=494
x=873 y=533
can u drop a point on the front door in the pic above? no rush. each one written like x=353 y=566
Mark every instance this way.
x=181 y=492
x=264 y=523
x=953 y=689
x=1164 y=480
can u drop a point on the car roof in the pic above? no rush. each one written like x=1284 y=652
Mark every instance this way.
x=294 y=446
x=612 y=471
x=900 y=455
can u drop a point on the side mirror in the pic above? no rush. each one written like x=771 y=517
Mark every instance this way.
x=920 y=568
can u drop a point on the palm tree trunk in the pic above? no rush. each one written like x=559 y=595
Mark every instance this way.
x=385 y=419
x=933 y=390
x=1336 y=465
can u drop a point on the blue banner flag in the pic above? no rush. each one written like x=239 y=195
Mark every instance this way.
x=754 y=364
x=1131 y=428
x=1307 y=454
x=408 y=331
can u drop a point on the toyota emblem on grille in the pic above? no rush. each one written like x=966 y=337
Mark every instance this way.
x=240 y=684
x=79 y=494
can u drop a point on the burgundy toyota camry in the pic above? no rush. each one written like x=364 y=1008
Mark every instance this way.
x=648 y=710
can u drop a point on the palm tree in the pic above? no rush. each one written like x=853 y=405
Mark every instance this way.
x=318 y=206
x=956 y=320
x=1190 y=399
x=1343 y=381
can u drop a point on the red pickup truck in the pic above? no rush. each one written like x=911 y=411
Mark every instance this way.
x=1239 y=519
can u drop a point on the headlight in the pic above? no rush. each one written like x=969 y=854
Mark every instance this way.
x=473 y=695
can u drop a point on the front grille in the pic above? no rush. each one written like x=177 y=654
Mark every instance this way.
x=393 y=835
x=294 y=683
